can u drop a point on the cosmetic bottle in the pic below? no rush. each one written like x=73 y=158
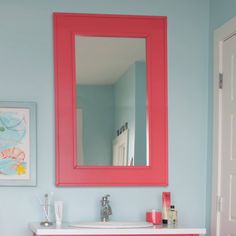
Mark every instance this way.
x=58 y=207
x=165 y=207
x=172 y=217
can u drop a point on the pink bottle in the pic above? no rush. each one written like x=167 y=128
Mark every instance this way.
x=165 y=206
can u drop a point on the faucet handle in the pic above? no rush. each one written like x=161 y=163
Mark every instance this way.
x=105 y=198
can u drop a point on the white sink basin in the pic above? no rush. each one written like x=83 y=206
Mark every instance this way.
x=112 y=225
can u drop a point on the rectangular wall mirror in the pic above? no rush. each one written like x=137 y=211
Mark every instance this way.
x=111 y=100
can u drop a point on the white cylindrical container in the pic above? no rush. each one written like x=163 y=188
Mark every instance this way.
x=58 y=207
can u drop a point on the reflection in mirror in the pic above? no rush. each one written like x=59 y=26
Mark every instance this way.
x=111 y=101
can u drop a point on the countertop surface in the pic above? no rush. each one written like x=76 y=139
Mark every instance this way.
x=67 y=229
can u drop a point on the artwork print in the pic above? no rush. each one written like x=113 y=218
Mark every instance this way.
x=14 y=143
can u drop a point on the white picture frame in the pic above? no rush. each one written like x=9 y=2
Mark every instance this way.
x=17 y=144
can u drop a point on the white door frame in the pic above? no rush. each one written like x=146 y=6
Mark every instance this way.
x=221 y=34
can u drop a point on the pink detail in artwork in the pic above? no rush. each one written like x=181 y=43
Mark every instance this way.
x=14 y=153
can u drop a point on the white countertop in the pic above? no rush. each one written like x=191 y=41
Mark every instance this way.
x=66 y=229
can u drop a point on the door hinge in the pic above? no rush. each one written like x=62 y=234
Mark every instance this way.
x=219 y=204
x=220 y=80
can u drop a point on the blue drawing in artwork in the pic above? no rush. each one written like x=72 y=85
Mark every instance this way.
x=12 y=132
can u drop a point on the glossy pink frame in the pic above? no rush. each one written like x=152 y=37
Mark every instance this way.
x=154 y=29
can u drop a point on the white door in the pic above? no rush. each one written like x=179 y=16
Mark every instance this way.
x=227 y=181
x=120 y=149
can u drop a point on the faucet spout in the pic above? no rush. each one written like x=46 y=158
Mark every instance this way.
x=106 y=210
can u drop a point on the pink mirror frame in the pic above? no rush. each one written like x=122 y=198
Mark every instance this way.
x=154 y=29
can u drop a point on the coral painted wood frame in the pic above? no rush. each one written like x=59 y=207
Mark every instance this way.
x=154 y=30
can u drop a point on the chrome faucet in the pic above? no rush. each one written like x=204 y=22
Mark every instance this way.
x=105 y=208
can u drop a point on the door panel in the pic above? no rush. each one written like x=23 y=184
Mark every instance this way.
x=228 y=144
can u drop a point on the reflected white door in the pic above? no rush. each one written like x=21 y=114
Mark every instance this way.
x=120 y=149
x=227 y=219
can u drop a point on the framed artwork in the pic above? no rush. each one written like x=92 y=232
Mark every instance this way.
x=17 y=144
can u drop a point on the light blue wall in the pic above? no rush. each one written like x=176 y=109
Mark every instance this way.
x=220 y=12
x=26 y=74
x=97 y=104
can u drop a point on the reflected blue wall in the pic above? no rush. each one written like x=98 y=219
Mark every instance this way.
x=97 y=104
x=130 y=107
x=140 y=114
x=106 y=108
x=124 y=101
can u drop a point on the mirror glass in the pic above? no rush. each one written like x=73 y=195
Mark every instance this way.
x=111 y=101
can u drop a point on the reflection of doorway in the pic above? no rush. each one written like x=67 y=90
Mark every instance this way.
x=80 y=150
x=120 y=149
x=224 y=167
